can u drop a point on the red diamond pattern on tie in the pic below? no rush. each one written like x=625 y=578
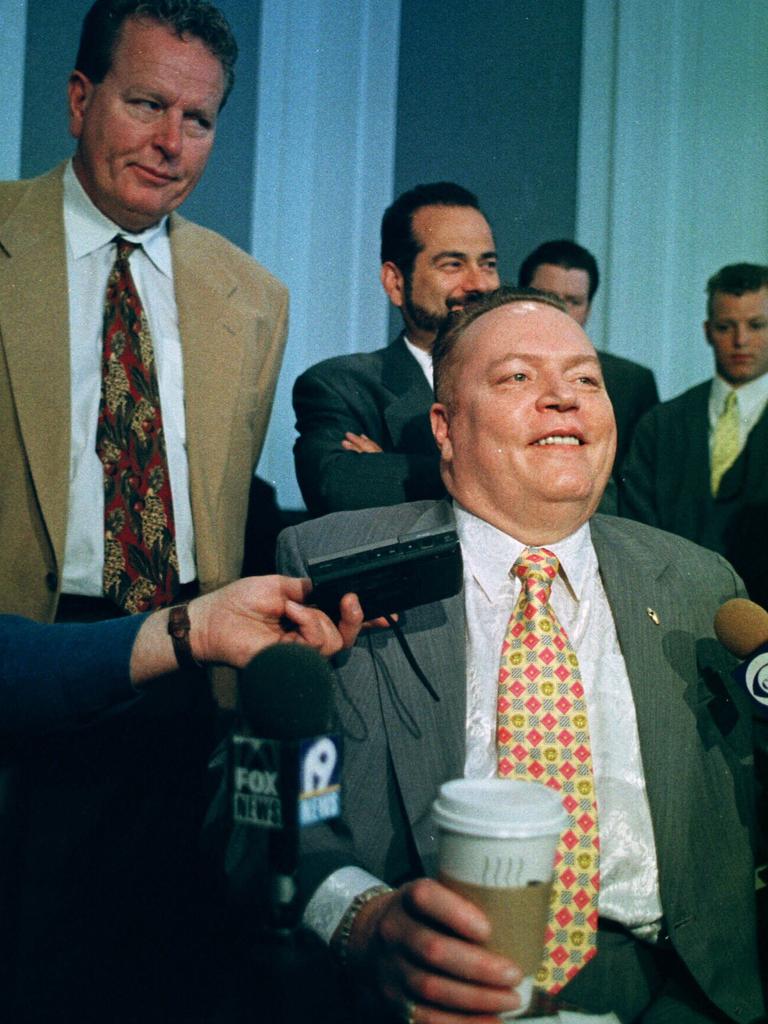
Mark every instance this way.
x=543 y=734
x=141 y=568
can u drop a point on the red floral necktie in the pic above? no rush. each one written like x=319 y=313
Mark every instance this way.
x=543 y=734
x=141 y=568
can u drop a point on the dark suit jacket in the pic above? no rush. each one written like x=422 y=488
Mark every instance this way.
x=696 y=743
x=632 y=391
x=385 y=395
x=665 y=482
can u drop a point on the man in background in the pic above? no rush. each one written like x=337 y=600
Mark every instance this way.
x=364 y=437
x=570 y=271
x=139 y=357
x=699 y=463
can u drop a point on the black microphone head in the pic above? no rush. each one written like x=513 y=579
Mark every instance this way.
x=285 y=693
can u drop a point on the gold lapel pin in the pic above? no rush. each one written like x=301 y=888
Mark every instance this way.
x=652 y=615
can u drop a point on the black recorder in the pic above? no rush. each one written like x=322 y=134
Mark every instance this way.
x=390 y=577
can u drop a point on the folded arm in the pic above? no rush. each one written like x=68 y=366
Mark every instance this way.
x=341 y=427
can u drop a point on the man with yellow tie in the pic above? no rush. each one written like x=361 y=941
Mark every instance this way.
x=698 y=465
x=653 y=917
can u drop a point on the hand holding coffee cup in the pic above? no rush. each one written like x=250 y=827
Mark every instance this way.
x=497 y=842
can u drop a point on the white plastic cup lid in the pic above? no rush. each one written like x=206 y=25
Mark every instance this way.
x=499 y=808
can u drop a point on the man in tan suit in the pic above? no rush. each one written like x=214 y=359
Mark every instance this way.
x=105 y=817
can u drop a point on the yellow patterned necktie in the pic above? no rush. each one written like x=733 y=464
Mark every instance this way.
x=726 y=441
x=543 y=735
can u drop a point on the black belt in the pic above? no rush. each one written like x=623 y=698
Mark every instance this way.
x=79 y=608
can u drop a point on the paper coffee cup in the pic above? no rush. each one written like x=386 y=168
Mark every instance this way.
x=497 y=841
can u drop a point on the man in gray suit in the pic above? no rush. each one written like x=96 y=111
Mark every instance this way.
x=437 y=255
x=527 y=437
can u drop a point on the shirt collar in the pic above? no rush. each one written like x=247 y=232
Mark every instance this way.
x=424 y=359
x=88 y=229
x=752 y=396
x=489 y=554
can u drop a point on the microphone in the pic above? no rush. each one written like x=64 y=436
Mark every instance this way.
x=285 y=761
x=742 y=627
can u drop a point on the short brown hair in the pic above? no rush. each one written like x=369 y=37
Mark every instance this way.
x=736 y=279
x=444 y=350
x=197 y=18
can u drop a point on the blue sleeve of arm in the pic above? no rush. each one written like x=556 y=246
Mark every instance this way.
x=57 y=676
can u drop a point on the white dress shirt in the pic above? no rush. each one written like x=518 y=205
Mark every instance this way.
x=424 y=359
x=752 y=398
x=91 y=254
x=629 y=886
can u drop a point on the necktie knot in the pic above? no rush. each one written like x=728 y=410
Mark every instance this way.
x=124 y=247
x=731 y=401
x=536 y=568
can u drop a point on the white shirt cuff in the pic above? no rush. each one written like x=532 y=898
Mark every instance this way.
x=323 y=913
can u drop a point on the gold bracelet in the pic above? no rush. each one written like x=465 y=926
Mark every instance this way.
x=344 y=930
x=178 y=630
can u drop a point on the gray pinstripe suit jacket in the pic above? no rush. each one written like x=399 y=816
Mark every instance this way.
x=695 y=737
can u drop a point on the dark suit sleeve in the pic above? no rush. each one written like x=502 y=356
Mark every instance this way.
x=327 y=405
x=637 y=488
x=56 y=676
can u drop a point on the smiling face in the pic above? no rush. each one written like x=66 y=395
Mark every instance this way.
x=527 y=436
x=455 y=265
x=145 y=132
x=737 y=330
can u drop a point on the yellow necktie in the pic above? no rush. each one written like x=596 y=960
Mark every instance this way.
x=543 y=735
x=725 y=441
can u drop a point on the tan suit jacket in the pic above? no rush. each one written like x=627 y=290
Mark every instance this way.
x=233 y=318
x=77 y=796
